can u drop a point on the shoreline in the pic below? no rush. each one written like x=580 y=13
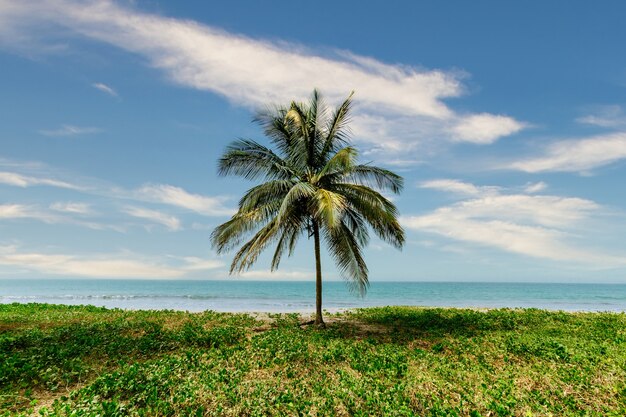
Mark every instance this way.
x=310 y=310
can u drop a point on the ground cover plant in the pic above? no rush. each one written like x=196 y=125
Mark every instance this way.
x=396 y=361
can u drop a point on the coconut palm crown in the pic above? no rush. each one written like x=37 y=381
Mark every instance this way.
x=311 y=184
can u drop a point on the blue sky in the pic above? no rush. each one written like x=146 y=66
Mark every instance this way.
x=508 y=122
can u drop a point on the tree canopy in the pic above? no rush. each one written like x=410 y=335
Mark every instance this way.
x=311 y=183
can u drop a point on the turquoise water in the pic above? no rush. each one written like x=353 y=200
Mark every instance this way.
x=300 y=296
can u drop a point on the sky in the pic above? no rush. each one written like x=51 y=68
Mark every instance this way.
x=507 y=121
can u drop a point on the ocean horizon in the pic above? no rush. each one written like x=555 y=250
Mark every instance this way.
x=299 y=296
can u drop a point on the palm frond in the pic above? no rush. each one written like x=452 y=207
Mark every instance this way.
x=300 y=151
x=336 y=128
x=318 y=114
x=249 y=159
x=329 y=208
x=378 y=177
x=262 y=194
x=230 y=234
x=297 y=116
x=341 y=163
x=287 y=242
x=250 y=251
x=348 y=257
x=380 y=213
x=296 y=197
x=272 y=120
x=357 y=226
x=261 y=203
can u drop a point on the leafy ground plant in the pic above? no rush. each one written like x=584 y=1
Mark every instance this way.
x=395 y=361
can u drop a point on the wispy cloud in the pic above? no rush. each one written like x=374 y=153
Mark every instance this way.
x=575 y=155
x=466 y=189
x=105 y=89
x=176 y=196
x=532 y=188
x=151 y=193
x=15 y=211
x=34 y=212
x=107 y=265
x=169 y=221
x=193 y=263
x=538 y=242
x=605 y=116
x=485 y=128
x=19 y=180
x=54 y=216
x=71 y=130
x=405 y=104
x=458 y=187
x=101 y=266
x=540 y=226
x=72 y=208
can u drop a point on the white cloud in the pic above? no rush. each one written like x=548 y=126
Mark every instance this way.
x=175 y=196
x=243 y=69
x=458 y=187
x=19 y=180
x=405 y=104
x=70 y=130
x=193 y=263
x=577 y=155
x=101 y=266
x=544 y=210
x=105 y=89
x=532 y=188
x=153 y=193
x=532 y=241
x=20 y=211
x=72 y=208
x=485 y=128
x=548 y=227
x=112 y=265
x=171 y=222
x=15 y=211
x=605 y=116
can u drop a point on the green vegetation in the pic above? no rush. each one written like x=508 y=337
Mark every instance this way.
x=88 y=361
x=313 y=185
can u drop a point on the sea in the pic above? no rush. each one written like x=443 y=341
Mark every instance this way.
x=282 y=296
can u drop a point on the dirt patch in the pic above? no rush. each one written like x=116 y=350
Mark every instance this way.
x=5 y=327
x=45 y=399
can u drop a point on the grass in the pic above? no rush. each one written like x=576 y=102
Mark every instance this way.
x=396 y=361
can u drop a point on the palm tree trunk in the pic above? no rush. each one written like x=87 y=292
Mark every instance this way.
x=318 y=277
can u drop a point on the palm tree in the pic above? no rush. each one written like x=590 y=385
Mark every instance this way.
x=313 y=184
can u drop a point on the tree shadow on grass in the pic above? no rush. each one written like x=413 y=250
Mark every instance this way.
x=400 y=324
